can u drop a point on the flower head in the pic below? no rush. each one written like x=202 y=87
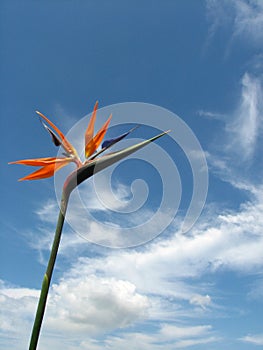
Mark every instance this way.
x=48 y=166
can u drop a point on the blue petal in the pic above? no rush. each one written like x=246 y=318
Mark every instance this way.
x=110 y=142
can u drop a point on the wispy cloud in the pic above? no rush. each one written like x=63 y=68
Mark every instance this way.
x=201 y=300
x=245 y=127
x=238 y=146
x=175 y=332
x=241 y=23
x=231 y=239
x=167 y=336
x=255 y=339
x=239 y=141
x=245 y=18
x=248 y=21
x=211 y=115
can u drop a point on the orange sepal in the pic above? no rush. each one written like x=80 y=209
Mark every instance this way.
x=65 y=143
x=39 y=161
x=94 y=143
x=47 y=170
x=90 y=129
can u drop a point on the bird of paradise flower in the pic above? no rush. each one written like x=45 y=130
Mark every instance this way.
x=85 y=169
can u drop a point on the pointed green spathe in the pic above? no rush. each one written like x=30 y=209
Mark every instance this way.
x=98 y=164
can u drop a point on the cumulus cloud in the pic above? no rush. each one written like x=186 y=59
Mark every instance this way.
x=76 y=307
x=81 y=308
x=94 y=304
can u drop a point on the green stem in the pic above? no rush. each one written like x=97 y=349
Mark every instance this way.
x=72 y=181
x=48 y=275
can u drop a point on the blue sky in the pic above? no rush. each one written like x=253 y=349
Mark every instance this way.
x=201 y=60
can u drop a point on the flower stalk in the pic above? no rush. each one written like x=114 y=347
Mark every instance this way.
x=86 y=169
x=48 y=275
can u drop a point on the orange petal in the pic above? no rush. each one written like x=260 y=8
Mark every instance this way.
x=90 y=129
x=38 y=161
x=65 y=143
x=47 y=170
x=96 y=140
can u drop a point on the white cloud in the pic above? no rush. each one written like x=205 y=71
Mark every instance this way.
x=243 y=128
x=255 y=339
x=245 y=18
x=201 y=300
x=78 y=309
x=248 y=21
x=48 y=212
x=224 y=168
x=154 y=284
x=161 y=338
x=211 y=115
x=175 y=332
x=232 y=241
x=17 y=308
x=93 y=304
x=167 y=336
x=98 y=194
x=241 y=22
x=128 y=221
x=158 y=283
x=247 y=118
x=191 y=342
